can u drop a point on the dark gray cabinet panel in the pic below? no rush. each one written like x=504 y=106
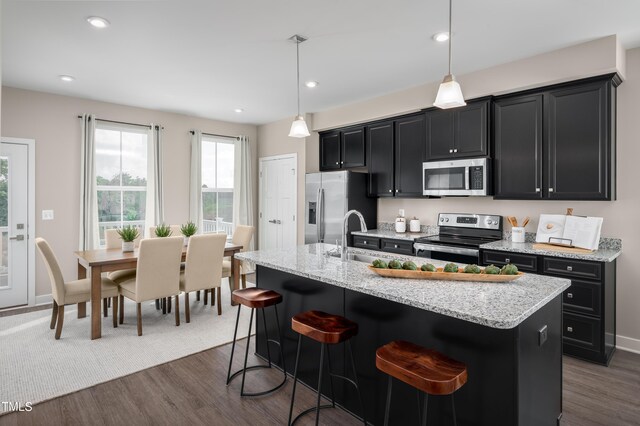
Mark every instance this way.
x=410 y=137
x=353 y=147
x=330 y=150
x=579 y=144
x=518 y=141
x=380 y=154
x=458 y=132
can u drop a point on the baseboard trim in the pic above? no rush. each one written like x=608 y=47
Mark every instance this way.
x=628 y=344
x=43 y=299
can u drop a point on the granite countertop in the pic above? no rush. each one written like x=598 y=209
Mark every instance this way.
x=383 y=233
x=608 y=251
x=496 y=305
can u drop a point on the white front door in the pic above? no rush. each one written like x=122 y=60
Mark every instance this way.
x=278 y=197
x=14 y=209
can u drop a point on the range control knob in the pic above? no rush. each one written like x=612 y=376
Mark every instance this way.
x=446 y=219
x=442 y=219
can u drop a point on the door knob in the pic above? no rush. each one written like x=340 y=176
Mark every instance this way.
x=278 y=222
x=17 y=238
x=272 y=221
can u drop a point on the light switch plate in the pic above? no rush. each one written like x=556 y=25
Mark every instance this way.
x=47 y=214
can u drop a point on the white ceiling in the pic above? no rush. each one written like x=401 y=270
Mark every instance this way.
x=205 y=58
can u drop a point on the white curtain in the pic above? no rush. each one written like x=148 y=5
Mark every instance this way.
x=89 y=232
x=243 y=186
x=154 y=212
x=195 y=182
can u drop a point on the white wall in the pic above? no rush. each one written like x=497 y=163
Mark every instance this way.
x=588 y=59
x=52 y=121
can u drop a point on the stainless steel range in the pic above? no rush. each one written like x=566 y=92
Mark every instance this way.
x=460 y=236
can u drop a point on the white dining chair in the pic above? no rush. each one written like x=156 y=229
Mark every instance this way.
x=157 y=275
x=203 y=269
x=70 y=292
x=242 y=235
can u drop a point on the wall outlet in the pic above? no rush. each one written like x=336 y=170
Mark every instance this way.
x=47 y=214
x=542 y=335
x=401 y=212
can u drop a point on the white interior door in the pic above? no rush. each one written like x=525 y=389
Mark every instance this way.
x=278 y=198
x=14 y=214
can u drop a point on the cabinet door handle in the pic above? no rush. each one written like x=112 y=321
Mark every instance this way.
x=391 y=190
x=364 y=242
x=537 y=189
x=450 y=151
x=508 y=260
x=337 y=162
x=570 y=329
x=397 y=190
x=342 y=162
x=569 y=268
x=550 y=189
x=455 y=150
x=569 y=295
x=395 y=246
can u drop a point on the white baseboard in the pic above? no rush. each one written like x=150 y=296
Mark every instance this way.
x=628 y=344
x=43 y=299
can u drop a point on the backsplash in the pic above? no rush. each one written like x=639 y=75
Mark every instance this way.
x=424 y=229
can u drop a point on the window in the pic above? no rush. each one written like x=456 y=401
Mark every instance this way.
x=217 y=184
x=121 y=175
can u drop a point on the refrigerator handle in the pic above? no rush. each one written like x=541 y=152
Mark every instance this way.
x=321 y=215
x=318 y=215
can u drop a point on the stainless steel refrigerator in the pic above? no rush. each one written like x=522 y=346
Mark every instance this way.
x=328 y=196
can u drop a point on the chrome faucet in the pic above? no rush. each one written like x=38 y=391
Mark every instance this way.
x=363 y=227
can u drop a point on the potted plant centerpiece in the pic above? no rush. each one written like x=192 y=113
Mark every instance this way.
x=188 y=229
x=163 y=231
x=128 y=235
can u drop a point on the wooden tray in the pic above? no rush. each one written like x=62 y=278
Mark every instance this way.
x=444 y=276
x=553 y=247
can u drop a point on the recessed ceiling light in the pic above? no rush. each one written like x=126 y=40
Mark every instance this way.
x=311 y=84
x=66 y=78
x=441 y=37
x=98 y=22
x=239 y=110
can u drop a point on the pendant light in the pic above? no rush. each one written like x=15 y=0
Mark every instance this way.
x=449 y=92
x=298 y=127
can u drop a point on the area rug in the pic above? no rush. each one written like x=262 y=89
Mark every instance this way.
x=34 y=367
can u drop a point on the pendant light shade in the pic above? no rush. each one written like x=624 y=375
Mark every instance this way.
x=449 y=93
x=299 y=126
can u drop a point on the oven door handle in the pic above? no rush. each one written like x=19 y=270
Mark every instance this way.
x=446 y=249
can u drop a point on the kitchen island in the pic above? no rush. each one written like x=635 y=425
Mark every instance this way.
x=508 y=334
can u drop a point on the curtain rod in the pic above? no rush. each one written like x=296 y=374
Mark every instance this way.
x=215 y=135
x=123 y=122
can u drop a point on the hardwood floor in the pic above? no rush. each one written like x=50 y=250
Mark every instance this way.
x=192 y=391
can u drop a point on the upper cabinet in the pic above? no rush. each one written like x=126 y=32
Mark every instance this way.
x=341 y=149
x=394 y=157
x=557 y=143
x=458 y=132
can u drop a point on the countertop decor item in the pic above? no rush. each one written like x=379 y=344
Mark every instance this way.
x=444 y=276
x=188 y=230
x=401 y=225
x=128 y=235
x=414 y=225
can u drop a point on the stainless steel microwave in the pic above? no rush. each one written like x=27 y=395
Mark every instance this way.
x=470 y=177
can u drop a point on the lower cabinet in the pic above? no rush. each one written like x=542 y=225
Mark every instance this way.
x=589 y=305
x=389 y=245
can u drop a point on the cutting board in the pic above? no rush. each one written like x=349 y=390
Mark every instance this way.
x=553 y=247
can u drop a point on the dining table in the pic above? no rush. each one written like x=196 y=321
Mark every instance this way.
x=98 y=261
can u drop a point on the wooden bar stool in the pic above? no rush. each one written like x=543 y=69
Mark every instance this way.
x=326 y=329
x=426 y=370
x=256 y=298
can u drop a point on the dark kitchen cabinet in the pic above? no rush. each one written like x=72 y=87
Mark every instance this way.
x=458 y=132
x=589 y=304
x=517 y=147
x=581 y=146
x=409 y=152
x=395 y=151
x=380 y=152
x=557 y=143
x=343 y=148
x=330 y=150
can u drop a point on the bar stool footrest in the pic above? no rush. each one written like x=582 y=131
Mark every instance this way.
x=310 y=410
x=255 y=367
